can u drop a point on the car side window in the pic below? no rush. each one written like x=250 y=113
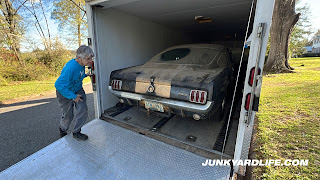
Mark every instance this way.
x=222 y=61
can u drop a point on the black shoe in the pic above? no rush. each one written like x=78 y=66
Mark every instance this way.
x=62 y=133
x=80 y=136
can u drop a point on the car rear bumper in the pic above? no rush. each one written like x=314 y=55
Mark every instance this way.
x=186 y=106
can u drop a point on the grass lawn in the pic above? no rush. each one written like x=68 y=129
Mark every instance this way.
x=24 y=90
x=288 y=122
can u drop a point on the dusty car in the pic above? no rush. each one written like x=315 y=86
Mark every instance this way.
x=189 y=80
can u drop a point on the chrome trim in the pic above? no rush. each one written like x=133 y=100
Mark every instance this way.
x=187 y=106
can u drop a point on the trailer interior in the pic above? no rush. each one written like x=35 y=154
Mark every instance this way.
x=134 y=31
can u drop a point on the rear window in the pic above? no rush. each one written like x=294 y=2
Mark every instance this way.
x=174 y=54
x=200 y=56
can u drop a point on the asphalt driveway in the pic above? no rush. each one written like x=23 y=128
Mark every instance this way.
x=26 y=127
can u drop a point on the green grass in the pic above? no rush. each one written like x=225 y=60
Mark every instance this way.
x=288 y=122
x=24 y=90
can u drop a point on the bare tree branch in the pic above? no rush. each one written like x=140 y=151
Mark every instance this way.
x=20 y=7
x=34 y=14
x=78 y=6
x=83 y=15
x=47 y=24
x=35 y=24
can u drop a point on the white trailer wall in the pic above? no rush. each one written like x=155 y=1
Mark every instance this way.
x=124 y=41
x=127 y=33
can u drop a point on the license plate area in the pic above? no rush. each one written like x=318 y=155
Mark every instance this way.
x=153 y=106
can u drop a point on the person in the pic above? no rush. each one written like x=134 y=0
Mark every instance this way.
x=70 y=93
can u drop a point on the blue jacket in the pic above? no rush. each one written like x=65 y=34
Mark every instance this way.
x=70 y=80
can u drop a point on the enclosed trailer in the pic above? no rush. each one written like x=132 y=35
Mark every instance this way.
x=126 y=142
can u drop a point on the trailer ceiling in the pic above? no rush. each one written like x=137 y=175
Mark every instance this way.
x=226 y=15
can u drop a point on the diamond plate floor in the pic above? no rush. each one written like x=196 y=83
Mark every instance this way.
x=205 y=130
x=112 y=152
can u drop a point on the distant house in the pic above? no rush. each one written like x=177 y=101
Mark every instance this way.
x=308 y=49
x=316 y=45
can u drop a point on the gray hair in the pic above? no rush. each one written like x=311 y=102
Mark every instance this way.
x=84 y=51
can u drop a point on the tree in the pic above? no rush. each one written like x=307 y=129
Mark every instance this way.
x=317 y=33
x=14 y=15
x=301 y=32
x=11 y=26
x=283 y=20
x=34 y=10
x=70 y=14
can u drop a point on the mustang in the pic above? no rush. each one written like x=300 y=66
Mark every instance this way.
x=190 y=80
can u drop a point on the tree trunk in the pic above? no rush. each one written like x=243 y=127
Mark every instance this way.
x=79 y=35
x=79 y=24
x=283 y=20
x=49 y=36
x=12 y=35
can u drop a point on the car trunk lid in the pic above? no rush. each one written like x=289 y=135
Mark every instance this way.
x=180 y=79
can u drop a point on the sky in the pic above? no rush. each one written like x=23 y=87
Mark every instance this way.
x=314 y=6
x=314 y=17
x=33 y=35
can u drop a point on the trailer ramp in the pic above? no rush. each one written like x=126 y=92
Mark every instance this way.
x=113 y=152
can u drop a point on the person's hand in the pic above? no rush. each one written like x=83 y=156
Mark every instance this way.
x=78 y=98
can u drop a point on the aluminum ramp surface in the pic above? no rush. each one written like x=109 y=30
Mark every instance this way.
x=113 y=152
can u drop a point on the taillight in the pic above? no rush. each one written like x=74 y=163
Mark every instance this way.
x=116 y=84
x=251 y=77
x=197 y=96
x=255 y=102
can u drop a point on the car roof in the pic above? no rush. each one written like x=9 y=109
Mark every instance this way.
x=214 y=46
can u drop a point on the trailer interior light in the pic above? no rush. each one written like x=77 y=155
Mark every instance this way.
x=201 y=19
